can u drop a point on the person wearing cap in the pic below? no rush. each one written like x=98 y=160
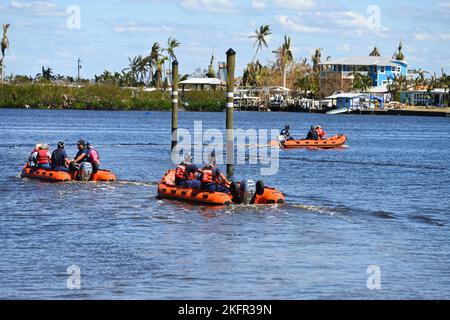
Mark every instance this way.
x=94 y=157
x=60 y=160
x=212 y=178
x=83 y=152
x=186 y=173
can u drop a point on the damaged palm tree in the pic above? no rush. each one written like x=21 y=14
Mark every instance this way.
x=4 y=47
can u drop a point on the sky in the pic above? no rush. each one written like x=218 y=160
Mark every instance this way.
x=105 y=33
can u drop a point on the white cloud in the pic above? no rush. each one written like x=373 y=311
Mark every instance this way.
x=444 y=5
x=297 y=27
x=39 y=8
x=344 y=47
x=295 y=4
x=444 y=36
x=422 y=36
x=258 y=5
x=209 y=6
x=134 y=27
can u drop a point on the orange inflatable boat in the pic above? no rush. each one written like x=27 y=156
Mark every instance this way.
x=332 y=142
x=60 y=176
x=168 y=190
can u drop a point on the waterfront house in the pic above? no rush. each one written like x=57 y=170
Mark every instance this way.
x=338 y=74
x=435 y=97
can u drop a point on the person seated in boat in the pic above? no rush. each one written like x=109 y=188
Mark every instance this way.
x=320 y=133
x=81 y=156
x=212 y=178
x=33 y=156
x=186 y=174
x=312 y=134
x=40 y=157
x=93 y=156
x=285 y=134
x=60 y=160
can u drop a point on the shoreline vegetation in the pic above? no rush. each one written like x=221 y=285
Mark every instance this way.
x=104 y=97
x=114 y=98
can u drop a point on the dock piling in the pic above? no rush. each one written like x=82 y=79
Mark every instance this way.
x=174 y=103
x=231 y=60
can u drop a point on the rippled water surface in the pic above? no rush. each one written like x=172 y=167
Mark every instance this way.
x=383 y=200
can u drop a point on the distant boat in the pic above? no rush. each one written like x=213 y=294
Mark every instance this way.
x=338 y=111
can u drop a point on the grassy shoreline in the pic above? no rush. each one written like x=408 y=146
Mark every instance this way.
x=104 y=97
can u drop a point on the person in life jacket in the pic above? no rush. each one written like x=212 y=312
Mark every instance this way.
x=42 y=157
x=60 y=160
x=33 y=156
x=212 y=178
x=94 y=157
x=186 y=173
x=321 y=133
x=81 y=156
x=312 y=134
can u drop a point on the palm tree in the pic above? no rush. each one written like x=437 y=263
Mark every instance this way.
x=172 y=43
x=211 y=73
x=375 y=53
x=4 y=47
x=159 y=71
x=286 y=56
x=316 y=59
x=260 y=36
x=398 y=55
x=152 y=59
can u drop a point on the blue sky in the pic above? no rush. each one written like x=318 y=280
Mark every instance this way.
x=112 y=31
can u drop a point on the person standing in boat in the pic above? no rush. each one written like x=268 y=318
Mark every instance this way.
x=212 y=178
x=60 y=160
x=186 y=174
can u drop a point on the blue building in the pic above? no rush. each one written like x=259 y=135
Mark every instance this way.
x=338 y=74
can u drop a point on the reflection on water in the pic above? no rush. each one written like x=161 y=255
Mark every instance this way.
x=381 y=201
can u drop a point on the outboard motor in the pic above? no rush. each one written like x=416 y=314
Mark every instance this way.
x=247 y=191
x=85 y=171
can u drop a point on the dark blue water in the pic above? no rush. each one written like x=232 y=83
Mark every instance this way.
x=382 y=201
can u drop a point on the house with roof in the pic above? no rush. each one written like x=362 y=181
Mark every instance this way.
x=338 y=74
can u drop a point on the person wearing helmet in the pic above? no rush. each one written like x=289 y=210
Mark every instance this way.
x=60 y=160
x=94 y=157
x=312 y=134
x=186 y=173
x=212 y=178
x=321 y=135
x=285 y=134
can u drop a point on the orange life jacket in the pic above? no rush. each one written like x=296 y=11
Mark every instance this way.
x=320 y=133
x=42 y=157
x=180 y=173
x=207 y=175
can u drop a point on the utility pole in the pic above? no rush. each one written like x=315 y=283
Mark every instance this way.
x=79 y=68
